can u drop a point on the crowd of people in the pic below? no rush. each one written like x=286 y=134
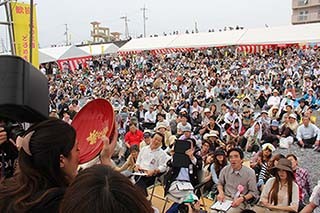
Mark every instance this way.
x=191 y=118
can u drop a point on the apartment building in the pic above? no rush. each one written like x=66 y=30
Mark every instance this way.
x=305 y=11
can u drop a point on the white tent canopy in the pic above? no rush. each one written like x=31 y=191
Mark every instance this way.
x=148 y=43
x=206 y=39
x=306 y=33
x=99 y=49
x=60 y=53
x=309 y=33
x=45 y=58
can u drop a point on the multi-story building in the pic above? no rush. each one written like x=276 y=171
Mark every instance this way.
x=103 y=34
x=305 y=11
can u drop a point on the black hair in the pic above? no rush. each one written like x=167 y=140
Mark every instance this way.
x=39 y=173
x=236 y=150
x=134 y=148
x=292 y=155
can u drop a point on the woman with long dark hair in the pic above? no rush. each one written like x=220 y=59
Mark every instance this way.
x=281 y=193
x=47 y=163
x=219 y=162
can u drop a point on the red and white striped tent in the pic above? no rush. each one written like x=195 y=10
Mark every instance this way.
x=73 y=63
x=66 y=54
x=159 y=44
x=180 y=43
x=248 y=40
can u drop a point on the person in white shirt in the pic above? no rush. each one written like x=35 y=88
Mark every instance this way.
x=171 y=115
x=152 y=161
x=184 y=123
x=151 y=115
x=267 y=89
x=286 y=101
x=230 y=117
x=314 y=200
x=275 y=99
x=308 y=134
x=195 y=107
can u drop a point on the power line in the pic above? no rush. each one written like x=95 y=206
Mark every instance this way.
x=144 y=20
x=126 y=29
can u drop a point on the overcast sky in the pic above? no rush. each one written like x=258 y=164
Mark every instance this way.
x=163 y=16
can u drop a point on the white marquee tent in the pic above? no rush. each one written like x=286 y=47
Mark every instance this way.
x=206 y=39
x=293 y=34
x=60 y=53
x=305 y=33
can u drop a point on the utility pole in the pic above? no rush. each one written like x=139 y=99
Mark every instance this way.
x=66 y=34
x=196 y=27
x=126 y=29
x=144 y=20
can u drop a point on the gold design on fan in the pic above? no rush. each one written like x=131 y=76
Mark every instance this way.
x=96 y=135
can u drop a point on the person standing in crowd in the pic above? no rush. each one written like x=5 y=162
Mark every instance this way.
x=262 y=99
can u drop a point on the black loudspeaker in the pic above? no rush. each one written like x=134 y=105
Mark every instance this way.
x=23 y=91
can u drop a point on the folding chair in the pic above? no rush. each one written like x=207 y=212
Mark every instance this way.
x=168 y=198
x=198 y=190
x=157 y=182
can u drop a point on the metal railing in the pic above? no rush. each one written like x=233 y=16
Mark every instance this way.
x=303 y=4
x=311 y=17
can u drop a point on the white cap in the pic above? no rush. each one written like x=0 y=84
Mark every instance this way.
x=206 y=110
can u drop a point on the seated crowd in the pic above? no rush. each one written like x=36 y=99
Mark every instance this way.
x=204 y=127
